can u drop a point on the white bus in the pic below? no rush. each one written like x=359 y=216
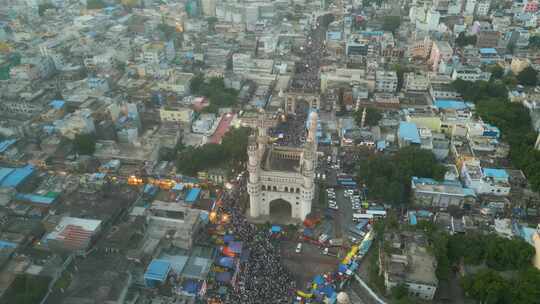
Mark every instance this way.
x=361 y=216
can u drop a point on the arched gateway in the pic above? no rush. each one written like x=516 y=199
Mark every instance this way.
x=282 y=173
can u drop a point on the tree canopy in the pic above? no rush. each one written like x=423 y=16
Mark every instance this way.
x=496 y=252
x=528 y=77
x=391 y=23
x=497 y=72
x=85 y=144
x=388 y=177
x=463 y=39
x=95 y=4
x=26 y=289
x=373 y=116
x=534 y=41
x=214 y=88
x=488 y=286
x=233 y=149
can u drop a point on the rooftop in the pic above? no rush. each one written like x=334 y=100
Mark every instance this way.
x=409 y=131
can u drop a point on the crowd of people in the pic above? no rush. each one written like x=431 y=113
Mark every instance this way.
x=306 y=72
x=262 y=278
x=291 y=132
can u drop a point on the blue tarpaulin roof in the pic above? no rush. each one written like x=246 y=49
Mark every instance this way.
x=192 y=195
x=276 y=229
x=190 y=287
x=495 y=173
x=412 y=218
x=223 y=277
x=57 y=104
x=6 y=244
x=318 y=279
x=226 y=262
x=488 y=51
x=12 y=177
x=451 y=104
x=157 y=270
x=228 y=238
x=35 y=198
x=409 y=131
x=4 y=145
x=235 y=247
x=342 y=268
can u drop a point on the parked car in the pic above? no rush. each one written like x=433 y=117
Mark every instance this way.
x=298 y=248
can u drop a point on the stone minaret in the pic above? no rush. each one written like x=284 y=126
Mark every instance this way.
x=254 y=185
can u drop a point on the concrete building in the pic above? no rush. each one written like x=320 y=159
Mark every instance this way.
x=430 y=193
x=487 y=38
x=485 y=180
x=416 y=82
x=470 y=74
x=441 y=51
x=386 y=81
x=176 y=114
x=209 y=7
x=174 y=221
x=340 y=78
x=409 y=262
x=482 y=8
x=281 y=179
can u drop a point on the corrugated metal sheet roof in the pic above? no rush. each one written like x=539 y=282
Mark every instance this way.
x=16 y=176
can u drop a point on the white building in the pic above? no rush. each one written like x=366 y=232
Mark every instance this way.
x=470 y=74
x=412 y=264
x=176 y=114
x=485 y=180
x=482 y=8
x=209 y=7
x=470 y=7
x=281 y=179
x=386 y=81
x=416 y=82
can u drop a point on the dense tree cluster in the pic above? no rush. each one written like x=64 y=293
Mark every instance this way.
x=85 y=144
x=463 y=39
x=26 y=289
x=95 y=4
x=494 y=251
x=513 y=119
x=391 y=23
x=388 y=177
x=528 y=77
x=488 y=286
x=373 y=116
x=214 y=88
x=231 y=151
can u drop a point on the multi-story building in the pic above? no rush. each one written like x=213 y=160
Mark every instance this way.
x=470 y=74
x=487 y=38
x=431 y=193
x=482 y=8
x=485 y=180
x=153 y=53
x=470 y=6
x=408 y=262
x=530 y=7
x=386 y=81
x=176 y=114
x=416 y=82
x=441 y=51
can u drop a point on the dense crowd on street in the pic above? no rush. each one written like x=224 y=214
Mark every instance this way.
x=262 y=278
x=291 y=132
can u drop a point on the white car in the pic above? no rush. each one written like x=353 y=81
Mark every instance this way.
x=333 y=207
x=298 y=248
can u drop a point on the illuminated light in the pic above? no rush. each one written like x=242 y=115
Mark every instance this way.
x=225 y=217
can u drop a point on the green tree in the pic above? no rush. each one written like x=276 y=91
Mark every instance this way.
x=534 y=41
x=487 y=286
x=528 y=77
x=373 y=116
x=85 y=144
x=26 y=289
x=391 y=23
x=235 y=144
x=95 y=4
x=212 y=23
x=463 y=39
x=388 y=177
x=43 y=7
x=497 y=72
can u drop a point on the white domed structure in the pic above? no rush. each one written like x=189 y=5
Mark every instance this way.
x=343 y=298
